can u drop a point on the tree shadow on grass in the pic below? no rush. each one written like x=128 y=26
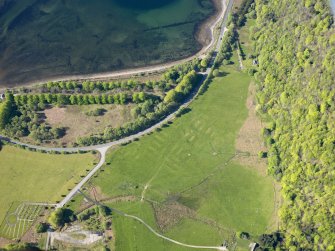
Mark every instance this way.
x=183 y=111
x=223 y=74
x=209 y=80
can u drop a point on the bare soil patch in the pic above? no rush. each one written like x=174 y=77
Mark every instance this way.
x=237 y=4
x=31 y=236
x=170 y=214
x=79 y=124
x=55 y=115
x=4 y=242
x=249 y=141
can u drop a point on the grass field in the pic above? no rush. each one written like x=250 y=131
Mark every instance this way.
x=191 y=165
x=35 y=177
x=246 y=43
x=132 y=235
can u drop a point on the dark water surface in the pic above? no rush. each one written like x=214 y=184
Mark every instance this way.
x=48 y=38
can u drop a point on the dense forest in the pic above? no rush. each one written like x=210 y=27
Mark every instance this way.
x=295 y=46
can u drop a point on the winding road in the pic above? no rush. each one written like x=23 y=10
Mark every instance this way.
x=103 y=148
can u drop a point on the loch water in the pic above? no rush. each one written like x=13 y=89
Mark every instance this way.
x=41 y=39
x=332 y=3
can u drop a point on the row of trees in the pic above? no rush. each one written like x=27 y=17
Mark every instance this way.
x=140 y=124
x=100 y=86
x=40 y=100
x=7 y=110
x=228 y=44
x=149 y=109
x=19 y=117
x=148 y=113
x=183 y=89
x=177 y=73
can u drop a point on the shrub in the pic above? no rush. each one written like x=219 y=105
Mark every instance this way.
x=59 y=217
x=21 y=247
x=216 y=73
x=244 y=235
x=41 y=227
x=262 y=155
x=96 y=112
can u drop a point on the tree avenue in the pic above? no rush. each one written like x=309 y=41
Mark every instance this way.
x=22 y=114
x=7 y=110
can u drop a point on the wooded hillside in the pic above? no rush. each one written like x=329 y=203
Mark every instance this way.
x=295 y=47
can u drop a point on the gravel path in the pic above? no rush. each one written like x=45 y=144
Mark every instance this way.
x=222 y=248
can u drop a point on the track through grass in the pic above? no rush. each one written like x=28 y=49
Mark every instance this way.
x=190 y=163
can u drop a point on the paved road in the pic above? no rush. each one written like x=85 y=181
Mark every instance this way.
x=110 y=144
x=104 y=147
x=224 y=17
x=102 y=151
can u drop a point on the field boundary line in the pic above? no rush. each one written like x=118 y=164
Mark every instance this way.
x=222 y=248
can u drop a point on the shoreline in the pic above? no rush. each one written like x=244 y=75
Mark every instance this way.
x=204 y=30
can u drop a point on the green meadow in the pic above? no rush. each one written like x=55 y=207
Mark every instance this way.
x=187 y=171
x=35 y=177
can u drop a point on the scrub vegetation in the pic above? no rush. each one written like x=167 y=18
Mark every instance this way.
x=28 y=113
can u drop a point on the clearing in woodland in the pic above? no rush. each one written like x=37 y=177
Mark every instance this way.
x=79 y=123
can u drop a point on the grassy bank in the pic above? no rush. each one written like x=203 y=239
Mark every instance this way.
x=36 y=177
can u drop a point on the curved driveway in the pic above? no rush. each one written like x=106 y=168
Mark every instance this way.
x=104 y=147
x=223 y=17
